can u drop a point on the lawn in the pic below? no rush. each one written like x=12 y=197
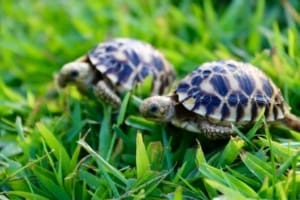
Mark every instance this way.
x=59 y=144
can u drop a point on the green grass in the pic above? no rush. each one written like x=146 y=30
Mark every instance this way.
x=61 y=145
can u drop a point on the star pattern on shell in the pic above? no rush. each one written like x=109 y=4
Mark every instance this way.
x=128 y=62
x=230 y=91
x=116 y=66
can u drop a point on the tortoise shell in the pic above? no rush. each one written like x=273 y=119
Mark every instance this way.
x=232 y=92
x=127 y=62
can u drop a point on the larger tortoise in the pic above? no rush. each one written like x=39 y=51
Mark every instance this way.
x=218 y=94
x=115 y=66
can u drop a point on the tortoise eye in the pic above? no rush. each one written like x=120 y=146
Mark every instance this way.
x=153 y=108
x=74 y=74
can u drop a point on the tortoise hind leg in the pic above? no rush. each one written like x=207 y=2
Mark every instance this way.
x=292 y=121
x=106 y=94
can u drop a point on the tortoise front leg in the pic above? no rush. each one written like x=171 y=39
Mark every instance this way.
x=106 y=94
x=204 y=127
x=215 y=131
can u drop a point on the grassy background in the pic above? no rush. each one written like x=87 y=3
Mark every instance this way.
x=60 y=145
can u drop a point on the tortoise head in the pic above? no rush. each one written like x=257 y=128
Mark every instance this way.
x=158 y=108
x=75 y=72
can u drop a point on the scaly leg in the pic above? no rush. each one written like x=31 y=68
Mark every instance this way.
x=201 y=126
x=106 y=94
x=215 y=131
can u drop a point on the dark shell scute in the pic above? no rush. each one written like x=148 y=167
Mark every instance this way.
x=113 y=68
x=267 y=110
x=109 y=62
x=206 y=73
x=144 y=71
x=236 y=98
x=133 y=57
x=231 y=67
x=182 y=87
x=196 y=80
x=239 y=112
x=246 y=83
x=124 y=73
x=254 y=112
x=233 y=99
x=220 y=84
x=110 y=48
x=225 y=111
x=198 y=96
x=219 y=69
x=137 y=79
x=192 y=91
x=199 y=70
x=267 y=87
x=260 y=99
x=275 y=112
x=158 y=64
x=243 y=99
x=212 y=103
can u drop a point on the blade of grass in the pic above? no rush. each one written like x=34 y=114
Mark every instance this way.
x=118 y=131
x=258 y=167
x=227 y=192
x=142 y=160
x=122 y=112
x=273 y=164
x=178 y=193
x=231 y=151
x=200 y=157
x=103 y=162
x=19 y=127
x=105 y=132
x=77 y=122
x=91 y=179
x=200 y=193
x=261 y=117
x=44 y=178
x=141 y=123
x=239 y=133
x=167 y=151
x=25 y=195
x=224 y=178
x=59 y=150
x=244 y=177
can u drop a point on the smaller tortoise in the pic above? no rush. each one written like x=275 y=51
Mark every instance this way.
x=116 y=66
x=218 y=94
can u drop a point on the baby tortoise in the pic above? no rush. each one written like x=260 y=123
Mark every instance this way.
x=115 y=66
x=218 y=94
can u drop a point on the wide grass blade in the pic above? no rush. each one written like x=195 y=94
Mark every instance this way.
x=105 y=132
x=142 y=160
x=228 y=192
x=77 y=122
x=200 y=156
x=25 y=195
x=112 y=170
x=258 y=167
x=45 y=179
x=226 y=179
x=141 y=123
x=231 y=151
x=59 y=150
x=122 y=112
